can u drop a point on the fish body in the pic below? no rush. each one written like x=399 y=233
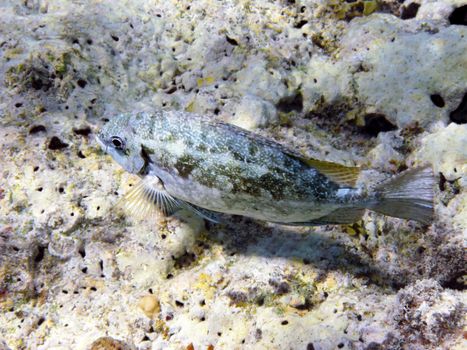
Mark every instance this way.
x=213 y=167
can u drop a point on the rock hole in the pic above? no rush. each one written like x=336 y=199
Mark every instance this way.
x=340 y=345
x=145 y=338
x=56 y=144
x=310 y=346
x=18 y=104
x=163 y=236
x=36 y=168
x=459 y=115
x=84 y=270
x=36 y=129
x=36 y=83
x=459 y=16
x=114 y=37
x=291 y=103
x=61 y=190
x=83 y=131
x=184 y=260
x=376 y=123
x=219 y=334
x=300 y=24
x=437 y=100
x=40 y=321
x=64 y=291
x=82 y=83
x=98 y=208
x=280 y=288
x=285 y=322
x=81 y=155
x=409 y=11
x=202 y=319
x=93 y=289
x=72 y=214
x=231 y=41
x=89 y=41
x=179 y=303
x=169 y=276
x=75 y=41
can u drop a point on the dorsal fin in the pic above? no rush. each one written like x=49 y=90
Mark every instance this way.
x=340 y=174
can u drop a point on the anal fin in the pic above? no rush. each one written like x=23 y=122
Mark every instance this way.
x=339 y=216
x=204 y=213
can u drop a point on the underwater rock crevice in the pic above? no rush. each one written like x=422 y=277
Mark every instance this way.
x=459 y=16
x=459 y=115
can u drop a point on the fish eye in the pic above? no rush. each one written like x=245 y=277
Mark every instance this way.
x=117 y=142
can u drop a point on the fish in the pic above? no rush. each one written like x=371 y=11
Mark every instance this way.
x=190 y=161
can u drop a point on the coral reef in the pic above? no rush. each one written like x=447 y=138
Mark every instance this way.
x=378 y=84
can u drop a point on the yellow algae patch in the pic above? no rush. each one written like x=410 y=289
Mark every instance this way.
x=205 y=81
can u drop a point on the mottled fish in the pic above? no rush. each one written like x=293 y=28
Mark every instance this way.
x=188 y=161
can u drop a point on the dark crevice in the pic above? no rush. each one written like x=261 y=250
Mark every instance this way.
x=376 y=123
x=231 y=41
x=39 y=255
x=409 y=11
x=459 y=16
x=56 y=144
x=300 y=24
x=291 y=103
x=455 y=283
x=37 y=128
x=83 y=131
x=459 y=115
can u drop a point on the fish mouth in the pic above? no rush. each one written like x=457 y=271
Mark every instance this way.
x=101 y=143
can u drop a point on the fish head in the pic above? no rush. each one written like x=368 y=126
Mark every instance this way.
x=119 y=139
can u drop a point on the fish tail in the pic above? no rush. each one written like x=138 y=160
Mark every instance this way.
x=407 y=196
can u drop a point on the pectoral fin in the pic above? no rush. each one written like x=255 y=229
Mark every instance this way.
x=150 y=196
x=147 y=197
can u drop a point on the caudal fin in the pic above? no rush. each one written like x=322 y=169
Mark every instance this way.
x=407 y=196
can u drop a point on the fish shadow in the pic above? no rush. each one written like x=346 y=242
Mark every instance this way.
x=323 y=247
